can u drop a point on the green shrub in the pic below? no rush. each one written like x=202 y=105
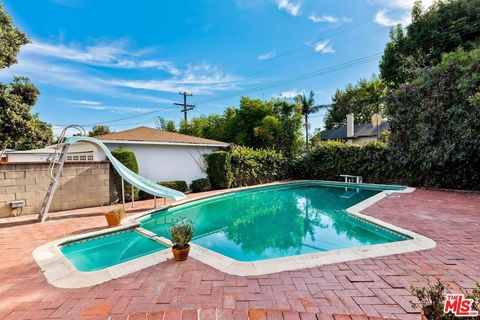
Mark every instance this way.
x=175 y=185
x=128 y=159
x=219 y=169
x=330 y=159
x=256 y=166
x=200 y=185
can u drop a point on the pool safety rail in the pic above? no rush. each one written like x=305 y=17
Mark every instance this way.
x=126 y=174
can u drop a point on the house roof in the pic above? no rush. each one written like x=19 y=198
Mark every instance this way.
x=360 y=130
x=32 y=151
x=147 y=135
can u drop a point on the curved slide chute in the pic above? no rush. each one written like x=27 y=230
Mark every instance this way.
x=128 y=175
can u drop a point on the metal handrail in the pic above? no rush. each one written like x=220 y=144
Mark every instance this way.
x=59 y=147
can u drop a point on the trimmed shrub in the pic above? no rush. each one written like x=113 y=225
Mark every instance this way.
x=219 y=169
x=330 y=159
x=200 y=185
x=175 y=185
x=255 y=166
x=128 y=159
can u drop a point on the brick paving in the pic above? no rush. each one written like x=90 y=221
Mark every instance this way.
x=365 y=289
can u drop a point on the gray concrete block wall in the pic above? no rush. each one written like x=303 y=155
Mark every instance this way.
x=81 y=185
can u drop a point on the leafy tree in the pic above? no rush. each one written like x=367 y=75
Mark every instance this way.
x=19 y=128
x=434 y=123
x=255 y=123
x=289 y=139
x=166 y=125
x=363 y=100
x=444 y=27
x=11 y=39
x=307 y=107
x=98 y=130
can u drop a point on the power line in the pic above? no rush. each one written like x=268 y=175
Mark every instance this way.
x=316 y=40
x=339 y=67
x=286 y=53
x=120 y=119
x=312 y=54
x=302 y=77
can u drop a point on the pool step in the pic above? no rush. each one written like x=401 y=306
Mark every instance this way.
x=251 y=314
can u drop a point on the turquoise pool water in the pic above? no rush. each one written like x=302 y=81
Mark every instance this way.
x=278 y=221
x=107 y=250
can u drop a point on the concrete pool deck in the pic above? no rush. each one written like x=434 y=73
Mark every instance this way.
x=377 y=287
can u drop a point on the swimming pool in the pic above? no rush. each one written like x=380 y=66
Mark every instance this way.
x=107 y=250
x=275 y=222
x=249 y=231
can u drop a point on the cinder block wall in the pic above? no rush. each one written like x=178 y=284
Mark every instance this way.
x=81 y=185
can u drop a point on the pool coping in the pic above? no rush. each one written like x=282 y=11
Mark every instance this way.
x=60 y=272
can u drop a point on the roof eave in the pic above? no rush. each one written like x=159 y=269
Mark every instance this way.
x=166 y=143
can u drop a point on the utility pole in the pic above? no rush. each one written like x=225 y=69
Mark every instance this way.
x=186 y=107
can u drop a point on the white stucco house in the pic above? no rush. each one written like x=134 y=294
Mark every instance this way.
x=161 y=155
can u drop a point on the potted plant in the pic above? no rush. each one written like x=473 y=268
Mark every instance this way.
x=431 y=301
x=114 y=215
x=181 y=234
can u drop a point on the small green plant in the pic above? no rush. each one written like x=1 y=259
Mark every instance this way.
x=475 y=295
x=431 y=301
x=181 y=233
x=200 y=185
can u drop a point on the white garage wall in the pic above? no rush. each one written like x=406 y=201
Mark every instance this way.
x=168 y=162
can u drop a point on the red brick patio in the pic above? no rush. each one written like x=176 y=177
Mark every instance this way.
x=376 y=287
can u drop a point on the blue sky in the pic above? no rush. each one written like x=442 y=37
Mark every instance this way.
x=116 y=62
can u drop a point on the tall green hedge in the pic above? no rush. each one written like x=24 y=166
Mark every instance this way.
x=243 y=166
x=219 y=169
x=254 y=166
x=435 y=127
x=330 y=159
x=128 y=159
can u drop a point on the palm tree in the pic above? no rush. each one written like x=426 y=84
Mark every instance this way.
x=308 y=106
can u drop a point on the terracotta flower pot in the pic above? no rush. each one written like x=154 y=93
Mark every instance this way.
x=423 y=317
x=114 y=218
x=180 y=254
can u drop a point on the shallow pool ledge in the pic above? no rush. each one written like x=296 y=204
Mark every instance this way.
x=60 y=272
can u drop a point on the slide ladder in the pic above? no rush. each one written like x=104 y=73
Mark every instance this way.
x=131 y=177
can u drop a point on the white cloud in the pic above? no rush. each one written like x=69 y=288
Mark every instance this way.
x=267 y=55
x=64 y=67
x=289 y=6
x=117 y=109
x=113 y=55
x=328 y=19
x=197 y=79
x=323 y=47
x=288 y=94
x=85 y=102
x=386 y=18
x=393 y=12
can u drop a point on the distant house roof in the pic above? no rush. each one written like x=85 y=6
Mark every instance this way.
x=145 y=135
x=32 y=151
x=360 y=130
